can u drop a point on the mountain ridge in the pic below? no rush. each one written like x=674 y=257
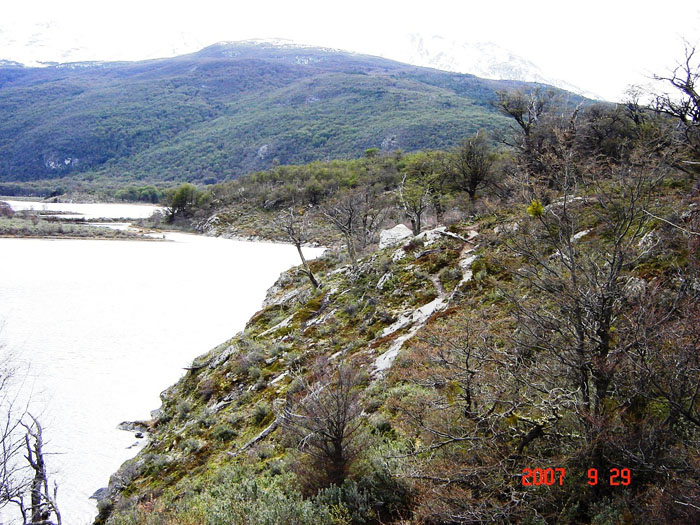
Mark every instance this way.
x=229 y=109
x=482 y=59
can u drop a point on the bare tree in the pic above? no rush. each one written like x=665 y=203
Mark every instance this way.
x=683 y=104
x=43 y=502
x=414 y=198
x=373 y=212
x=481 y=411
x=526 y=108
x=533 y=136
x=23 y=470
x=12 y=476
x=296 y=225
x=427 y=174
x=344 y=213
x=326 y=421
x=582 y=289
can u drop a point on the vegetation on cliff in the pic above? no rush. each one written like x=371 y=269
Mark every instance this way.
x=551 y=323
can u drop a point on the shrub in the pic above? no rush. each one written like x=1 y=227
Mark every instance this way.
x=535 y=209
x=224 y=432
x=183 y=409
x=191 y=445
x=260 y=413
x=254 y=372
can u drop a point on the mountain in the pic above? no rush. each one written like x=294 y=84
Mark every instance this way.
x=483 y=59
x=228 y=109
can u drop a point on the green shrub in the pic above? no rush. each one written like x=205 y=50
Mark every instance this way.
x=261 y=412
x=183 y=409
x=224 y=432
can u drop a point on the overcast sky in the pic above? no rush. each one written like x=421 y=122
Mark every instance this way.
x=601 y=46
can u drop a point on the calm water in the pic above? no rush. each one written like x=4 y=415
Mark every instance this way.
x=102 y=327
x=88 y=211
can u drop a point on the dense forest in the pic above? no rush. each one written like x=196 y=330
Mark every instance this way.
x=527 y=352
x=225 y=111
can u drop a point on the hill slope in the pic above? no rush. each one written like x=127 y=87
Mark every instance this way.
x=395 y=343
x=536 y=361
x=228 y=109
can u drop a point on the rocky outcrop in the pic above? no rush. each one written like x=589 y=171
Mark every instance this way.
x=394 y=236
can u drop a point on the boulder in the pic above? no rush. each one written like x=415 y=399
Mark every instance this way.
x=430 y=236
x=100 y=494
x=133 y=426
x=394 y=235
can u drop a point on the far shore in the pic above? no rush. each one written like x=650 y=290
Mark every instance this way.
x=86 y=237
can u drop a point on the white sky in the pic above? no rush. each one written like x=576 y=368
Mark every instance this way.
x=601 y=46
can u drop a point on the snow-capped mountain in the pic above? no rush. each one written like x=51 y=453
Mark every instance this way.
x=483 y=59
x=49 y=43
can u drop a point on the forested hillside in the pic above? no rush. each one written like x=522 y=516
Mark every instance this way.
x=228 y=110
x=526 y=352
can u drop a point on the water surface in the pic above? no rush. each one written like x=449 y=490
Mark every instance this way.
x=88 y=211
x=104 y=326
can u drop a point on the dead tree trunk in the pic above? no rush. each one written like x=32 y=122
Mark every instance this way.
x=307 y=268
x=295 y=225
x=43 y=505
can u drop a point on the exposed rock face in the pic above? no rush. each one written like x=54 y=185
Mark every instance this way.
x=430 y=236
x=394 y=235
x=417 y=318
x=100 y=494
x=133 y=426
x=263 y=151
x=390 y=142
x=383 y=280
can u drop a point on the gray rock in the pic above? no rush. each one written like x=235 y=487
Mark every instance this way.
x=390 y=142
x=133 y=426
x=383 y=280
x=649 y=241
x=430 y=236
x=100 y=494
x=223 y=356
x=507 y=228
x=394 y=235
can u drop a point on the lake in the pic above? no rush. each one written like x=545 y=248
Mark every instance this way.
x=87 y=211
x=100 y=328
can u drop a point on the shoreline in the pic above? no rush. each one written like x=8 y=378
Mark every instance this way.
x=86 y=238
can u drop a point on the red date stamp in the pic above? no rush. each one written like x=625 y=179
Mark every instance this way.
x=552 y=476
